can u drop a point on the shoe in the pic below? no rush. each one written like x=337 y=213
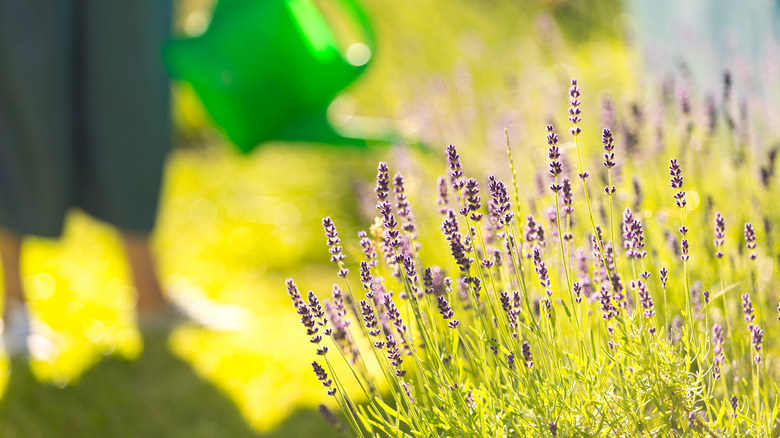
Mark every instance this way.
x=23 y=338
x=187 y=304
x=191 y=304
x=16 y=330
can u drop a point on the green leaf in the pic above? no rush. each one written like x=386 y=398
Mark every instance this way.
x=566 y=309
x=392 y=412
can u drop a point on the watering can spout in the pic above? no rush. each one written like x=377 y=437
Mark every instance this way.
x=268 y=70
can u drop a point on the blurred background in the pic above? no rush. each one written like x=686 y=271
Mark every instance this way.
x=236 y=226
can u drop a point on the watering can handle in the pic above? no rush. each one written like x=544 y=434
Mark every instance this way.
x=358 y=13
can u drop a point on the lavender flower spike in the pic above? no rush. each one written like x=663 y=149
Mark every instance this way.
x=443 y=198
x=528 y=357
x=453 y=160
x=757 y=337
x=645 y=299
x=717 y=350
x=331 y=418
x=322 y=376
x=382 y=181
x=747 y=309
x=402 y=204
x=334 y=245
x=677 y=183
x=750 y=239
x=574 y=109
x=609 y=149
x=292 y=291
x=473 y=200
x=554 y=154
x=446 y=312
x=720 y=234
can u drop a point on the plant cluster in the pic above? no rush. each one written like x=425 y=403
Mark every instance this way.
x=596 y=325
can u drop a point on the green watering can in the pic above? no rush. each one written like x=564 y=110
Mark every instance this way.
x=269 y=69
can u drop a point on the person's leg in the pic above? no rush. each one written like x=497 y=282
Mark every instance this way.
x=144 y=273
x=10 y=252
x=37 y=133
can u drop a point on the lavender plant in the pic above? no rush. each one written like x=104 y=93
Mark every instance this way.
x=478 y=344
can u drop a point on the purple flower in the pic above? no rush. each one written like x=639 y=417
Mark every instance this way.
x=633 y=236
x=720 y=234
x=567 y=196
x=443 y=198
x=664 y=277
x=402 y=205
x=553 y=428
x=453 y=160
x=757 y=337
x=390 y=235
x=368 y=249
x=322 y=376
x=428 y=286
x=366 y=279
x=677 y=182
x=528 y=357
x=582 y=272
x=574 y=109
x=577 y=289
x=607 y=309
x=473 y=200
x=734 y=404
x=533 y=231
x=338 y=302
x=554 y=154
x=444 y=308
x=499 y=206
x=541 y=271
x=450 y=225
x=407 y=389
x=382 y=181
x=334 y=245
x=717 y=350
x=618 y=297
x=394 y=355
x=410 y=268
x=609 y=150
x=508 y=307
x=750 y=239
x=394 y=316
x=628 y=232
x=684 y=249
x=456 y=242
x=369 y=318
x=599 y=269
x=747 y=309
x=645 y=299
x=331 y=418
x=292 y=291
x=340 y=334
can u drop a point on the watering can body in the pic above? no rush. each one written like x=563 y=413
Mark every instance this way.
x=268 y=70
